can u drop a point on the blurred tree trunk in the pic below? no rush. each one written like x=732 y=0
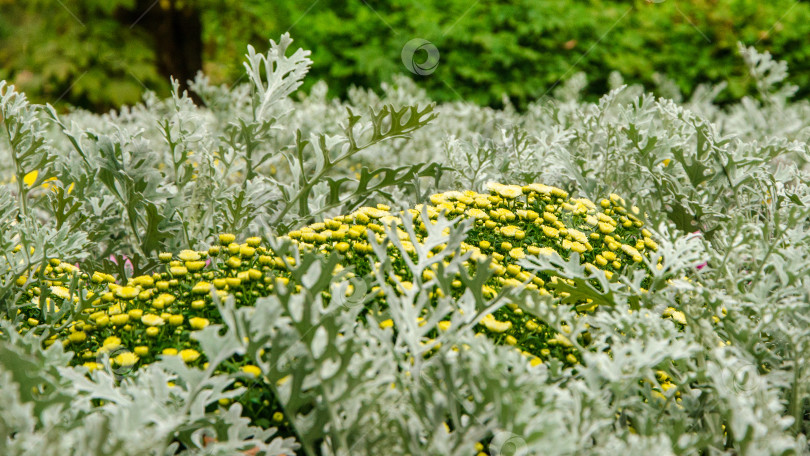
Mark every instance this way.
x=176 y=30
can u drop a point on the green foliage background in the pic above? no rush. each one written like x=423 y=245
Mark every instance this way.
x=521 y=48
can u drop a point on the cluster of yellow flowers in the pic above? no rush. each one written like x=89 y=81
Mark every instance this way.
x=154 y=315
x=510 y=222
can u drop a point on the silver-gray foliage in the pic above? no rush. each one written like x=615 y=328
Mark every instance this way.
x=724 y=188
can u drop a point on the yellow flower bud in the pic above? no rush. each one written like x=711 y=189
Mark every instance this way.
x=120 y=319
x=252 y=370
x=189 y=355
x=198 y=322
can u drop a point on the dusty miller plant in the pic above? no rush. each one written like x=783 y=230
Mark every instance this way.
x=724 y=189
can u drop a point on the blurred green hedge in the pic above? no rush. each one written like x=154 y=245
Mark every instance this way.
x=488 y=48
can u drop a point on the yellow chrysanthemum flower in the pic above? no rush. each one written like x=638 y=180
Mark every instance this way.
x=152 y=320
x=178 y=271
x=551 y=232
x=505 y=191
x=61 y=292
x=188 y=255
x=195 y=266
x=477 y=214
x=226 y=238
x=126 y=359
x=606 y=228
x=494 y=325
x=252 y=370
x=77 y=337
x=510 y=230
x=189 y=355
x=110 y=344
x=201 y=288
x=198 y=322
x=517 y=253
x=92 y=365
x=120 y=319
x=127 y=292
